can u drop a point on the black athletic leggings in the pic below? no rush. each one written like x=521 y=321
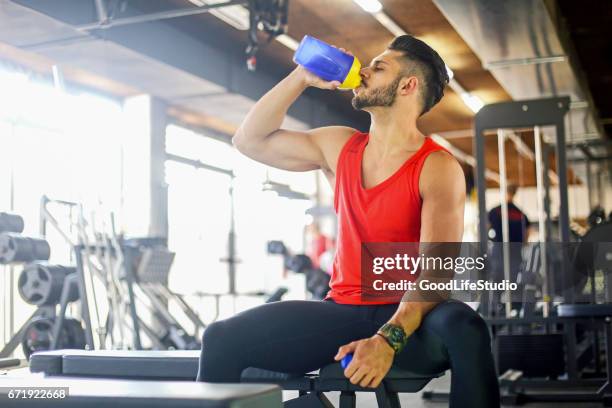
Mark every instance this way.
x=303 y=336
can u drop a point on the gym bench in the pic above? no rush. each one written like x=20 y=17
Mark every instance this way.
x=113 y=393
x=182 y=365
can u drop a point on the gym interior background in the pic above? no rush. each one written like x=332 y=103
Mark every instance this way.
x=116 y=118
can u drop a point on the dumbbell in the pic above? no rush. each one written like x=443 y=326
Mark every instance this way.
x=15 y=248
x=11 y=223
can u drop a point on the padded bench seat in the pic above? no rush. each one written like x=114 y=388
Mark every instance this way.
x=104 y=393
x=331 y=378
x=171 y=365
x=585 y=310
x=181 y=365
x=294 y=382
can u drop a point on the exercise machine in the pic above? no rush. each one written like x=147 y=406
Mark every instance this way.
x=317 y=281
x=544 y=349
x=41 y=284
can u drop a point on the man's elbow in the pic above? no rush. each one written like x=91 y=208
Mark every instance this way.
x=237 y=139
x=241 y=142
x=246 y=144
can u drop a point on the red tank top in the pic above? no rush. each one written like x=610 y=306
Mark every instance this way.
x=387 y=212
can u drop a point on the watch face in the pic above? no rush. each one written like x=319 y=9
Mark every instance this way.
x=395 y=336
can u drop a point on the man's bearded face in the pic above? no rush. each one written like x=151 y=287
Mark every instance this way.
x=382 y=96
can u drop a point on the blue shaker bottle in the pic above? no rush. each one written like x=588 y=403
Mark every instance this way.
x=328 y=63
x=346 y=360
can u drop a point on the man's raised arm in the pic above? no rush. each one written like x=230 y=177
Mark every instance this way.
x=261 y=138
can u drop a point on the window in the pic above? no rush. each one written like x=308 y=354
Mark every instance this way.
x=65 y=146
x=199 y=214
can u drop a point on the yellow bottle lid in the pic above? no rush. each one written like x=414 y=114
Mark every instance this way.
x=353 y=79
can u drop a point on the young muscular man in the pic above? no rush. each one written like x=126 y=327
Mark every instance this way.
x=391 y=184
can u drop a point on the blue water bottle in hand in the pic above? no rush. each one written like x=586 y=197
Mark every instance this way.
x=328 y=63
x=346 y=360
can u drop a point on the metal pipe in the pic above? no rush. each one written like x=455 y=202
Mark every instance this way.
x=162 y=15
x=592 y=160
x=47 y=217
x=600 y=189
x=463 y=156
x=589 y=143
x=58 y=78
x=564 y=233
x=526 y=152
x=541 y=215
x=128 y=261
x=101 y=12
x=198 y=164
x=547 y=149
x=561 y=156
x=585 y=150
x=503 y=192
x=113 y=293
x=589 y=183
x=564 y=230
x=231 y=244
x=481 y=187
x=11 y=268
x=83 y=296
x=521 y=147
x=525 y=61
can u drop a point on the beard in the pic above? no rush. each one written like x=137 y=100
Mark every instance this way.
x=383 y=96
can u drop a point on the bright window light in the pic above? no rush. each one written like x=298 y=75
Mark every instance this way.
x=12 y=99
x=472 y=101
x=371 y=6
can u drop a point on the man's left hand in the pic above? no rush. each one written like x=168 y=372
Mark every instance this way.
x=372 y=359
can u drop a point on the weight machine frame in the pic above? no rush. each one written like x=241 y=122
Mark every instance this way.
x=526 y=114
x=71 y=280
x=533 y=114
x=150 y=294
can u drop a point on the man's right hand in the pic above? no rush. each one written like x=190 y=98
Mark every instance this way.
x=310 y=79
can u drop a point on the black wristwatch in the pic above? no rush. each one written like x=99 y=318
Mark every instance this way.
x=395 y=336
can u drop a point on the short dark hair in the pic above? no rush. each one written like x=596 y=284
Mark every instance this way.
x=428 y=64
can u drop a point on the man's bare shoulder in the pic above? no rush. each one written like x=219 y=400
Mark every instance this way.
x=441 y=160
x=332 y=134
x=331 y=140
x=441 y=170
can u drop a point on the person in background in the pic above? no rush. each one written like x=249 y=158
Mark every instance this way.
x=518 y=223
x=326 y=260
x=317 y=243
x=518 y=231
